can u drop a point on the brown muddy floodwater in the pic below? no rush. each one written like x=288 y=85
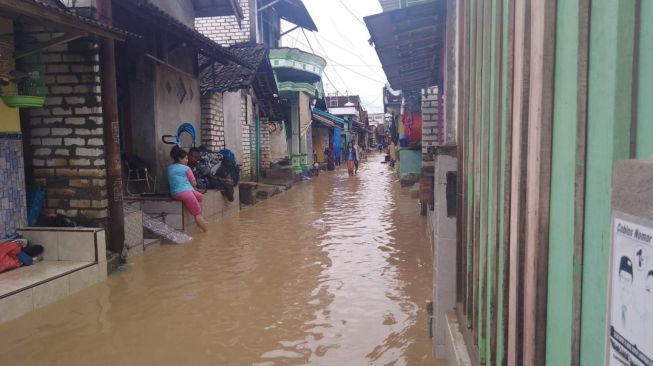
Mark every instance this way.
x=261 y=288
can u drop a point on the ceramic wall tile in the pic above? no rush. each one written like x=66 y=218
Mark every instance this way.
x=50 y=292
x=83 y=278
x=48 y=239
x=77 y=246
x=16 y=305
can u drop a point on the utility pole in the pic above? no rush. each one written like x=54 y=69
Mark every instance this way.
x=116 y=223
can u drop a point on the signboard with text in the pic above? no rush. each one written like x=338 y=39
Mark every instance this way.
x=630 y=320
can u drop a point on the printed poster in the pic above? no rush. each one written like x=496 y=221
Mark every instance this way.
x=630 y=324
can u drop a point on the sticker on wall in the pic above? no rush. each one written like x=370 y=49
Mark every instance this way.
x=630 y=326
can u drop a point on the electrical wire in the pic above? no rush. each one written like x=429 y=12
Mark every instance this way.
x=331 y=61
x=334 y=63
x=315 y=53
x=352 y=14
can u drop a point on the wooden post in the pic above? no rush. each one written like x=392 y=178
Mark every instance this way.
x=518 y=174
x=116 y=239
x=538 y=180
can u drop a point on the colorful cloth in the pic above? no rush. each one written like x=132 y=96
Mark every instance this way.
x=191 y=200
x=180 y=178
x=9 y=252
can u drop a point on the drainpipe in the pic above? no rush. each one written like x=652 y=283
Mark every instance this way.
x=116 y=223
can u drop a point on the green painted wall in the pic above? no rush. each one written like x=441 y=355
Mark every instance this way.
x=563 y=171
x=645 y=85
x=608 y=134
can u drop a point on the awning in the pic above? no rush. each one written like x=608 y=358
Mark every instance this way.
x=292 y=11
x=327 y=119
x=218 y=8
x=147 y=10
x=409 y=43
x=60 y=19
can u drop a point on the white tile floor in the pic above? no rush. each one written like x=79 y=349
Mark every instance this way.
x=27 y=276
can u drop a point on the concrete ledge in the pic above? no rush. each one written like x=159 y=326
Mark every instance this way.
x=173 y=213
x=74 y=258
x=456 y=349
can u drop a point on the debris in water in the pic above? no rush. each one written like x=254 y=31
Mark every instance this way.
x=319 y=224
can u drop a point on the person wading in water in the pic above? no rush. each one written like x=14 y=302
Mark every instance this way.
x=351 y=157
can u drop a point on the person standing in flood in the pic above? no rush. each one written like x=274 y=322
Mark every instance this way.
x=182 y=186
x=351 y=157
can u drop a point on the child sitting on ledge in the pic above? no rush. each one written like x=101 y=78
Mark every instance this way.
x=182 y=186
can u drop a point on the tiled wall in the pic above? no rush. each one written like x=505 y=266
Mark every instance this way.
x=12 y=190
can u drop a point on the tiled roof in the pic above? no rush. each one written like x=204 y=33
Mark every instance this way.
x=219 y=78
x=222 y=78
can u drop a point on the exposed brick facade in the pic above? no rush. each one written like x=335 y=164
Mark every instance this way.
x=212 y=121
x=213 y=133
x=66 y=135
x=225 y=30
x=265 y=144
x=12 y=190
x=246 y=167
x=432 y=121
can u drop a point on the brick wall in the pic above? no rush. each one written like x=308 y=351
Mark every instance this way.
x=246 y=167
x=432 y=120
x=66 y=137
x=265 y=144
x=225 y=30
x=12 y=190
x=212 y=121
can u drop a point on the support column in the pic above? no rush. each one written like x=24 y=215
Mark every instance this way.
x=111 y=133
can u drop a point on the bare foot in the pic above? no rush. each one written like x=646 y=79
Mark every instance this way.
x=199 y=220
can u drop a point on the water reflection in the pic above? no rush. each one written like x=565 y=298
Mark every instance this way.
x=264 y=288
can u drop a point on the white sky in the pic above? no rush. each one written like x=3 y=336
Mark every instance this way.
x=342 y=39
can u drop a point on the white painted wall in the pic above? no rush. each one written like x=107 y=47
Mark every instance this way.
x=233 y=128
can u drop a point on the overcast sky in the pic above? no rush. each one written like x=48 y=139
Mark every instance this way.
x=342 y=39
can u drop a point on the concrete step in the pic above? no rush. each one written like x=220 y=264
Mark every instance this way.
x=280 y=173
x=286 y=184
x=265 y=191
x=151 y=242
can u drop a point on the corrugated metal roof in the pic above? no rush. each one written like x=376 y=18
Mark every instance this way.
x=327 y=118
x=217 y=8
x=46 y=11
x=147 y=9
x=293 y=11
x=409 y=43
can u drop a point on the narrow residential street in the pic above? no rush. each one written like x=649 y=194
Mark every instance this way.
x=266 y=287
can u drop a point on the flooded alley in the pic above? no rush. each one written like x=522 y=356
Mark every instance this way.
x=266 y=287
